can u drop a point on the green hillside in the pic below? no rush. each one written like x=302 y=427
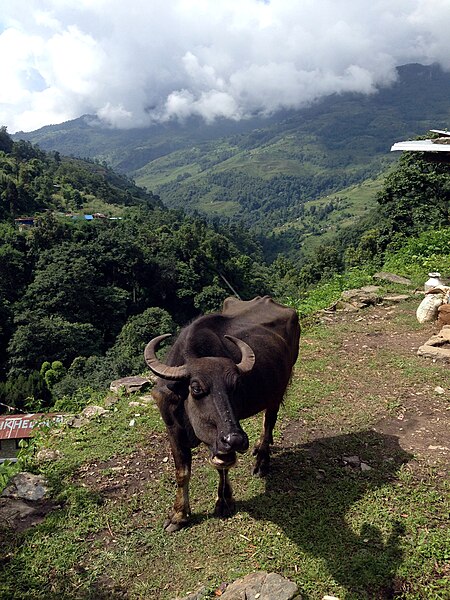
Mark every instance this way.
x=263 y=171
x=80 y=297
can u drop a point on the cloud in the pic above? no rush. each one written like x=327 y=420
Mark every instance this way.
x=136 y=62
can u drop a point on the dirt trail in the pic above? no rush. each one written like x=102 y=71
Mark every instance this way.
x=416 y=390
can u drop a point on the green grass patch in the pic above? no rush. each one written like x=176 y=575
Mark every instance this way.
x=329 y=527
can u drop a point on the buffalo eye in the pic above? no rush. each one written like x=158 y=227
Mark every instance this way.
x=196 y=389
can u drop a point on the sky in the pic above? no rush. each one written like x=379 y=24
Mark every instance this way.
x=136 y=62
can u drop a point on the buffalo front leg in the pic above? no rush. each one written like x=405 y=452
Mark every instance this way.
x=262 y=448
x=225 y=505
x=179 y=515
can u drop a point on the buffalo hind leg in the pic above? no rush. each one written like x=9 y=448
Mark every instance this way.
x=179 y=515
x=262 y=448
x=225 y=505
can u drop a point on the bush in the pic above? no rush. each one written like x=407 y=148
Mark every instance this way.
x=325 y=294
x=414 y=257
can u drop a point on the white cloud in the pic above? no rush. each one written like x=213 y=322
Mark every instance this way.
x=143 y=60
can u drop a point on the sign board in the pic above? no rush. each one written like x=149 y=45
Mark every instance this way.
x=21 y=426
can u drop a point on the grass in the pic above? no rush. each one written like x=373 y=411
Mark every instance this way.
x=331 y=528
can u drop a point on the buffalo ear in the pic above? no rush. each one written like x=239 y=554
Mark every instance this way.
x=169 y=395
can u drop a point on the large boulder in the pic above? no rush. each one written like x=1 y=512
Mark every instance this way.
x=392 y=277
x=26 y=486
x=131 y=385
x=438 y=346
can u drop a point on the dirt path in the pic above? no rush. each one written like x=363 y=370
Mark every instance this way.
x=375 y=354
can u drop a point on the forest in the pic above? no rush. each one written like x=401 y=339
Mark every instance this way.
x=80 y=298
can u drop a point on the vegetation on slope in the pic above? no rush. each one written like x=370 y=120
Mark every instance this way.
x=79 y=300
x=90 y=294
x=264 y=171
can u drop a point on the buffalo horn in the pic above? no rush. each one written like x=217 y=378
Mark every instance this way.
x=248 y=356
x=159 y=368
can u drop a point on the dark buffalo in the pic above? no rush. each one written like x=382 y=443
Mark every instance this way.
x=223 y=367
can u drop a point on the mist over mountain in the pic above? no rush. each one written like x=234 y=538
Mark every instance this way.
x=263 y=170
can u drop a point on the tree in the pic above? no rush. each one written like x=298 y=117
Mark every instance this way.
x=6 y=143
x=50 y=337
x=415 y=197
x=127 y=354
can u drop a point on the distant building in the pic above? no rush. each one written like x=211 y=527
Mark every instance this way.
x=14 y=428
x=24 y=222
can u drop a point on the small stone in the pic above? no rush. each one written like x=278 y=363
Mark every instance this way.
x=365 y=467
x=165 y=459
x=353 y=461
x=132 y=423
x=439 y=390
x=93 y=411
x=46 y=454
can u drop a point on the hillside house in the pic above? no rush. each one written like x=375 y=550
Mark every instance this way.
x=14 y=428
x=24 y=222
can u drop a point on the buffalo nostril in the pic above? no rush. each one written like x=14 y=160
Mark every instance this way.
x=235 y=441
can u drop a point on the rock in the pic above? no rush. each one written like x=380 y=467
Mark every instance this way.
x=395 y=298
x=93 y=411
x=360 y=298
x=47 y=455
x=438 y=346
x=18 y=515
x=131 y=385
x=261 y=586
x=353 y=461
x=365 y=467
x=444 y=314
x=439 y=390
x=26 y=486
x=356 y=299
x=111 y=400
x=86 y=415
x=392 y=278
x=198 y=595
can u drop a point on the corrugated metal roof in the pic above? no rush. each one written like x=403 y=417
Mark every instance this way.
x=441 y=132
x=421 y=146
x=21 y=426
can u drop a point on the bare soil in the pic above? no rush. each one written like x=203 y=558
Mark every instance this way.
x=418 y=421
x=420 y=413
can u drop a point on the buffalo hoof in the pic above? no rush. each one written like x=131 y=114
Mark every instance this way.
x=224 y=508
x=261 y=468
x=172 y=524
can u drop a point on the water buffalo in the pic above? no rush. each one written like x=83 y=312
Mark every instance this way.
x=222 y=368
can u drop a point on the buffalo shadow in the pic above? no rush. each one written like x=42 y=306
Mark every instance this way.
x=308 y=494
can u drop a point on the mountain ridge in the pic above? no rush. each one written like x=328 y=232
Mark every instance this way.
x=264 y=172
